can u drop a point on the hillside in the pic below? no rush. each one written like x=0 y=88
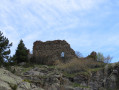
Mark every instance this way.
x=54 y=65
x=43 y=77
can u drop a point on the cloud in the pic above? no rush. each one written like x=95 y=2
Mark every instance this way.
x=43 y=15
x=87 y=25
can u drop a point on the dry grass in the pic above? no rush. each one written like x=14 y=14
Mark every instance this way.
x=79 y=65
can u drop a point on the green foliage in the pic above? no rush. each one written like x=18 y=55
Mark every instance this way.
x=79 y=65
x=69 y=75
x=93 y=55
x=102 y=58
x=4 y=48
x=95 y=69
x=21 y=54
x=26 y=80
x=99 y=57
x=78 y=85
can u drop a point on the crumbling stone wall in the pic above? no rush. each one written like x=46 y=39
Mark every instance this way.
x=50 y=51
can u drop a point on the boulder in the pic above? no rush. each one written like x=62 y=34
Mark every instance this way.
x=4 y=86
x=9 y=81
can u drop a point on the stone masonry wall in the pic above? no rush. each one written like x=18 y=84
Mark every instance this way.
x=50 y=51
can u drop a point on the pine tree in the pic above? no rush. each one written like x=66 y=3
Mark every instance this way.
x=4 y=48
x=21 y=54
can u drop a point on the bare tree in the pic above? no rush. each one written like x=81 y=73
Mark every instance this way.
x=108 y=59
x=78 y=54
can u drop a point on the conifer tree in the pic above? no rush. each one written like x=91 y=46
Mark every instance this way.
x=21 y=54
x=4 y=48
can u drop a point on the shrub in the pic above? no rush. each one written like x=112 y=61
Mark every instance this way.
x=79 y=65
x=101 y=58
x=93 y=55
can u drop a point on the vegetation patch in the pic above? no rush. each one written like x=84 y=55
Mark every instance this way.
x=78 y=85
x=95 y=69
x=69 y=75
x=26 y=80
x=78 y=65
x=26 y=69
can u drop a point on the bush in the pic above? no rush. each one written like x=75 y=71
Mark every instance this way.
x=79 y=65
x=101 y=58
x=93 y=55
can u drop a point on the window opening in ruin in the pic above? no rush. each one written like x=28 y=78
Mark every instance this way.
x=62 y=54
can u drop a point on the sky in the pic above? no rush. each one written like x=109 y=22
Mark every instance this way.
x=87 y=25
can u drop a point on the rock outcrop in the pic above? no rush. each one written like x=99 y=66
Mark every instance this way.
x=9 y=81
x=51 y=51
x=43 y=77
x=50 y=78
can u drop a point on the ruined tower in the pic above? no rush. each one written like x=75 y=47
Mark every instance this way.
x=50 y=51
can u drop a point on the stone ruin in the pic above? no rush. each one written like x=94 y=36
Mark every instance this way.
x=50 y=52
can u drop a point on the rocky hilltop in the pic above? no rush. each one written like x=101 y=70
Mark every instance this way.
x=43 y=77
x=55 y=66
